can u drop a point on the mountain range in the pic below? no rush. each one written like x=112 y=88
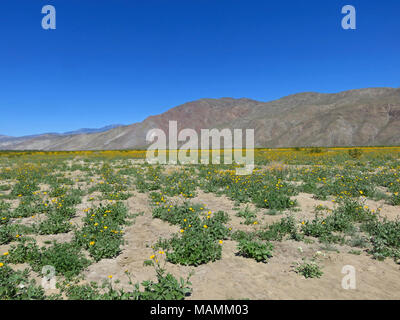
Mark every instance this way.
x=360 y=117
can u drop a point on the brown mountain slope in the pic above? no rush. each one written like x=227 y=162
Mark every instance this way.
x=356 y=117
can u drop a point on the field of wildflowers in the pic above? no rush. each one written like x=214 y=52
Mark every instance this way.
x=111 y=226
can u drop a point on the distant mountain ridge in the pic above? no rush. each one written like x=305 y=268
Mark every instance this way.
x=359 y=117
x=9 y=140
x=90 y=130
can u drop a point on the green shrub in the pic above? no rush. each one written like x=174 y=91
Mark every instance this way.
x=248 y=215
x=101 y=234
x=384 y=237
x=167 y=287
x=26 y=251
x=66 y=258
x=15 y=285
x=258 y=251
x=6 y=234
x=309 y=269
x=355 y=153
x=177 y=214
x=53 y=225
x=192 y=248
x=278 y=230
x=274 y=199
x=240 y=235
x=395 y=199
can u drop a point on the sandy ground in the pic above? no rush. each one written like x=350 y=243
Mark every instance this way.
x=235 y=277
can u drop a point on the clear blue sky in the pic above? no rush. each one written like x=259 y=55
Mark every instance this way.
x=119 y=61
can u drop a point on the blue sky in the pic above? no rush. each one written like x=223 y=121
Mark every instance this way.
x=120 y=61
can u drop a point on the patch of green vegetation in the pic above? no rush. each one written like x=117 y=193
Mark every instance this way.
x=309 y=269
x=256 y=250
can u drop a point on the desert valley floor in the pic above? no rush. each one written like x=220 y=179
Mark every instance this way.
x=284 y=232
